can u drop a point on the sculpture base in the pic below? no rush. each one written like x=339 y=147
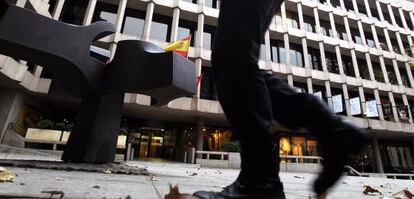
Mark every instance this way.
x=94 y=137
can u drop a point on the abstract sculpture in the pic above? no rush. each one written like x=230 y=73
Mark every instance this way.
x=63 y=49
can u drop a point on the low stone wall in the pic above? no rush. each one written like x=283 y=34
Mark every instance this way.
x=13 y=139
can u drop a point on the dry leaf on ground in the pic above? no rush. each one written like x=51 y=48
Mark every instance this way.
x=175 y=194
x=6 y=176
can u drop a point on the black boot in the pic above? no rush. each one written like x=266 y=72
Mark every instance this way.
x=338 y=139
x=259 y=175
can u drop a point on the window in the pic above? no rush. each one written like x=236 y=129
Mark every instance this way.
x=134 y=21
x=207 y=90
x=296 y=55
x=208 y=38
x=186 y=28
x=105 y=12
x=278 y=51
x=262 y=55
x=348 y=66
x=332 y=62
x=391 y=74
x=363 y=69
x=161 y=28
x=315 y=58
x=73 y=12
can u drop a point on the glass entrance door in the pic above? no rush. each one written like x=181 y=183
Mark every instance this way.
x=151 y=143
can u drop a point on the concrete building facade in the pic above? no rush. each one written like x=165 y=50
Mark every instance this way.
x=354 y=55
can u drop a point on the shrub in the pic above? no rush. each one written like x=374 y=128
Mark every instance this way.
x=232 y=146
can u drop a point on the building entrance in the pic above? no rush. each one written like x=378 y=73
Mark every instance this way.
x=152 y=143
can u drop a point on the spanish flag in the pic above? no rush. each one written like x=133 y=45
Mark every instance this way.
x=181 y=46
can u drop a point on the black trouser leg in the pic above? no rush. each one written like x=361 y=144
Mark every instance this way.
x=241 y=87
x=300 y=110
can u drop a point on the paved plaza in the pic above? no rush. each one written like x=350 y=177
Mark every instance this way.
x=190 y=178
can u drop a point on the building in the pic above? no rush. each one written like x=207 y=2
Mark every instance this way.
x=353 y=54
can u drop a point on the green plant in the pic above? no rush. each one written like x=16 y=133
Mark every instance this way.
x=231 y=146
x=46 y=124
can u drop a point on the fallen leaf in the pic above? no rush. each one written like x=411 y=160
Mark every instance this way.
x=59 y=178
x=55 y=192
x=152 y=178
x=175 y=194
x=96 y=187
x=193 y=174
x=6 y=176
x=107 y=171
x=299 y=177
x=368 y=189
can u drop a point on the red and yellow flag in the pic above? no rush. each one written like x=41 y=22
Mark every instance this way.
x=181 y=46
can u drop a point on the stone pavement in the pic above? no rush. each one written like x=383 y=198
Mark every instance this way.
x=190 y=178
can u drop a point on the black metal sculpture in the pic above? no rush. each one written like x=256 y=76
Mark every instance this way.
x=138 y=67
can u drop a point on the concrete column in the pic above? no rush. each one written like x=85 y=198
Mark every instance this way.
x=346 y=98
x=333 y=26
x=148 y=21
x=397 y=72
x=381 y=14
x=339 y=58
x=379 y=105
x=58 y=9
x=283 y=12
x=388 y=39
x=348 y=30
x=391 y=14
x=362 y=97
x=174 y=25
x=400 y=44
x=200 y=133
x=89 y=12
x=362 y=33
x=38 y=71
x=11 y=102
x=405 y=101
x=384 y=70
x=375 y=35
x=200 y=31
x=268 y=49
x=368 y=8
x=370 y=68
x=120 y=15
x=198 y=65
x=354 y=3
x=410 y=75
x=317 y=21
x=179 y=145
x=412 y=17
x=342 y=3
x=21 y=3
x=355 y=63
x=329 y=93
x=377 y=155
x=410 y=42
x=310 y=85
x=400 y=10
x=394 y=107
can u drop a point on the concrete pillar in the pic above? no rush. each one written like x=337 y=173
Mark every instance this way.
x=174 y=25
x=89 y=12
x=199 y=66
x=379 y=104
x=362 y=97
x=355 y=63
x=354 y=3
x=400 y=10
x=391 y=14
x=200 y=133
x=394 y=107
x=400 y=44
x=412 y=17
x=11 y=102
x=397 y=72
x=346 y=98
x=388 y=39
x=368 y=8
x=370 y=68
x=405 y=101
x=120 y=15
x=148 y=21
x=21 y=3
x=329 y=93
x=410 y=75
x=200 y=32
x=384 y=70
x=58 y=9
x=179 y=145
x=380 y=13
x=377 y=155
